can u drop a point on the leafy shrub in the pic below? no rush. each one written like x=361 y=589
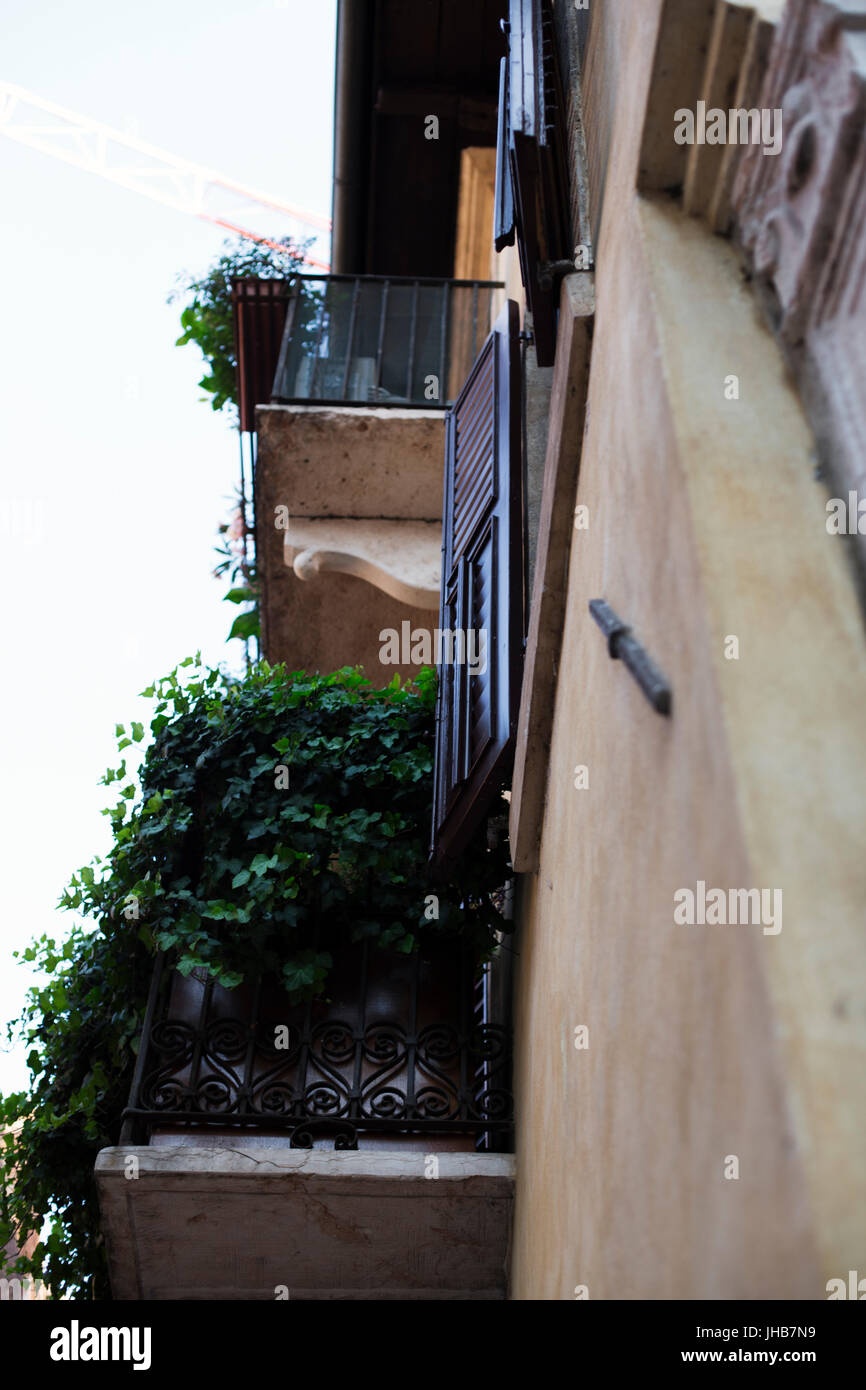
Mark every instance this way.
x=274 y=818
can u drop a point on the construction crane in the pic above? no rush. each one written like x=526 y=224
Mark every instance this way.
x=134 y=164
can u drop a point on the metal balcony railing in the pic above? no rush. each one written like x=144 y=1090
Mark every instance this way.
x=366 y=340
x=402 y=1046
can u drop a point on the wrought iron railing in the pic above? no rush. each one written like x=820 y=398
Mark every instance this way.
x=403 y=1046
x=367 y=340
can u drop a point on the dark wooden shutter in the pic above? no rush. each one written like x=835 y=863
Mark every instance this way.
x=482 y=589
x=258 y=315
x=531 y=150
x=503 y=224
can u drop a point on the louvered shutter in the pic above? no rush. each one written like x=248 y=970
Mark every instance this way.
x=482 y=591
x=258 y=316
x=531 y=151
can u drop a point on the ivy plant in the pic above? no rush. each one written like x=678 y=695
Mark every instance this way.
x=236 y=562
x=272 y=819
x=206 y=318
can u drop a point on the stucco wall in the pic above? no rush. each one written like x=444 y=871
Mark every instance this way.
x=705 y=1043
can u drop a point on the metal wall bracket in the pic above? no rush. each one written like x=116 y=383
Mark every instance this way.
x=551 y=272
x=623 y=646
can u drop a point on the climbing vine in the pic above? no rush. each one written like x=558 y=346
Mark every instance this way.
x=271 y=819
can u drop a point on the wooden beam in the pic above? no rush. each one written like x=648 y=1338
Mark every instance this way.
x=556 y=529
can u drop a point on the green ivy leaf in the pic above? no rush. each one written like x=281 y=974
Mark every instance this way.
x=245 y=625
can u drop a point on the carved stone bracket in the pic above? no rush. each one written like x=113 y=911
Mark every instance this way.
x=402 y=558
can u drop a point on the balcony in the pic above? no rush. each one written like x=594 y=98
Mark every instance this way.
x=342 y=385
x=362 y=340
x=358 y=340
x=354 y=1147
x=403 y=1050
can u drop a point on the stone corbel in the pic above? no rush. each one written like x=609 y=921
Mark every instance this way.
x=402 y=558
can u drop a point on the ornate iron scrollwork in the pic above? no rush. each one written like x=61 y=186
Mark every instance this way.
x=388 y=1062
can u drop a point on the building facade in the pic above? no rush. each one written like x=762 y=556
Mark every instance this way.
x=586 y=381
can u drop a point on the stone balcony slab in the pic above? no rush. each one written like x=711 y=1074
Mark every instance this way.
x=257 y=1223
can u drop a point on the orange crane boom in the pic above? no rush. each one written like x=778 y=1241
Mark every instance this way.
x=155 y=173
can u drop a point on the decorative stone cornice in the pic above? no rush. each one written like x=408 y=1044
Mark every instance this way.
x=801 y=222
x=798 y=216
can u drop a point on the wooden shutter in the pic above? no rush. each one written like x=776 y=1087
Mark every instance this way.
x=482 y=590
x=258 y=315
x=503 y=225
x=530 y=152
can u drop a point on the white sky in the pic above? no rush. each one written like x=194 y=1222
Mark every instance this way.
x=115 y=475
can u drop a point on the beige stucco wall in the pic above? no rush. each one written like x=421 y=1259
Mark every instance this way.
x=704 y=1042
